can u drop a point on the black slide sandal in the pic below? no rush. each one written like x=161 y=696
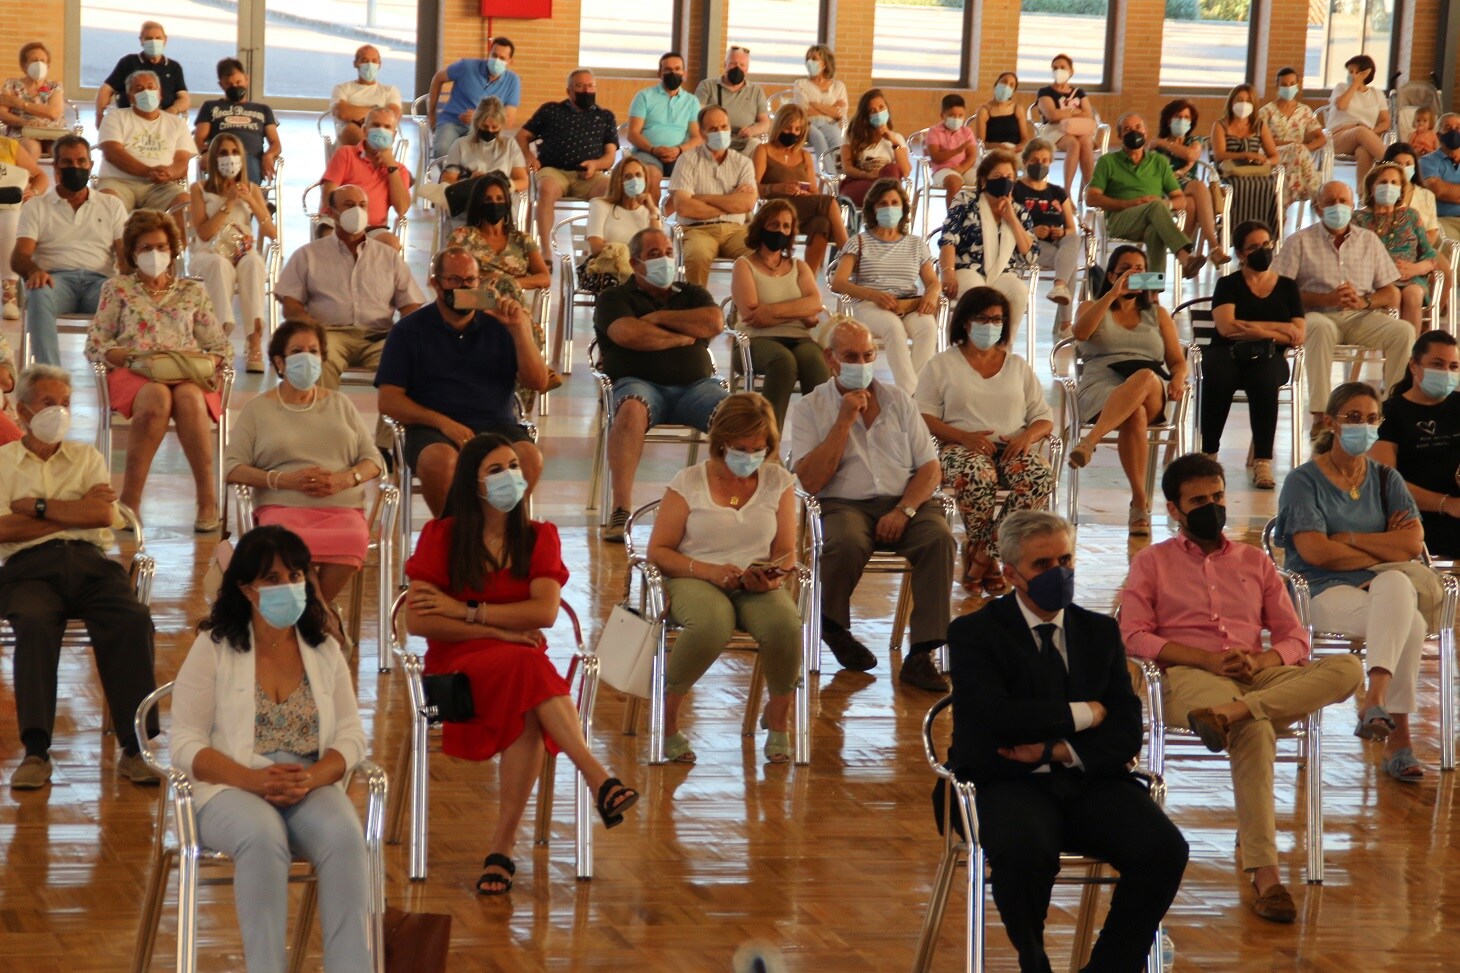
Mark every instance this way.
x=613 y=814
x=496 y=860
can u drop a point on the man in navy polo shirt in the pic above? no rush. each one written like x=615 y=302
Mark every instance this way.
x=169 y=73
x=251 y=122
x=473 y=79
x=448 y=374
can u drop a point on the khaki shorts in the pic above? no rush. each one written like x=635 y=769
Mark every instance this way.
x=141 y=194
x=573 y=185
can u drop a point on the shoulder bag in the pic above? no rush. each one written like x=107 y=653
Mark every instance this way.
x=174 y=367
x=626 y=650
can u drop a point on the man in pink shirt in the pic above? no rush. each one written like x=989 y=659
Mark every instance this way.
x=373 y=167
x=1198 y=604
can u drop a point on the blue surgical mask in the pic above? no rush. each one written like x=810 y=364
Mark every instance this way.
x=1387 y=194
x=504 y=490
x=153 y=47
x=1408 y=173
x=1052 y=590
x=1003 y=92
x=1287 y=92
x=380 y=138
x=659 y=271
x=879 y=118
x=855 y=375
x=717 y=141
x=889 y=216
x=148 y=99
x=952 y=123
x=813 y=68
x=985 y=336
x=742 y=463
x=302 y=369
x=282 y=604
x=368 y=71
x=1357 y=438
x=1180 y=126
x=1438 y=383
x=1336 y=217
x=634 y=186
x=495 y=66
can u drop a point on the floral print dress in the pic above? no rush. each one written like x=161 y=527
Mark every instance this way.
x=501 y=268
x=1290 y=132
x=1403 y=236
x=19 y=88
x=180 y=319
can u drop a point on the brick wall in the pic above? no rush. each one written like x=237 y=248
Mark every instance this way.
x=22 y=21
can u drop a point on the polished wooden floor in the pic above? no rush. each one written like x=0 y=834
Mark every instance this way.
x=831 y=863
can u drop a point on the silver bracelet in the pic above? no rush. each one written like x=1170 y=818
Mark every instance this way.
x=271 y=479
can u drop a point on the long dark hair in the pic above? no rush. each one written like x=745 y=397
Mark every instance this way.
x=1390 y=154
x=1143 y=298
x=975 y=301
x=1421 y=348
x=232 y=614
x=470 y=560
x=476 y=208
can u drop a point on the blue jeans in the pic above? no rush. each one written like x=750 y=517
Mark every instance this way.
x=71 y=292
x=680 y=405
x=825 y=134
x=446 y=134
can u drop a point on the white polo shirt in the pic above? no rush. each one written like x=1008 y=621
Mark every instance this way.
x=67 y=475
x=73 y=239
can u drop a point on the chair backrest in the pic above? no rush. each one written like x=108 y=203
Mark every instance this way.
x=139 y=725
x=570 y=239
x=930 y=746
x=1203 y=326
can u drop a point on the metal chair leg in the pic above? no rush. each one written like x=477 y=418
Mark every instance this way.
x=1314 y=772
x=1085 y=919
x=937 y=906
x=752 y=699
x=152 y=900
x=902 y=614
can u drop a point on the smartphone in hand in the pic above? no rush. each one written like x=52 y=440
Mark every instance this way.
x=483 y=298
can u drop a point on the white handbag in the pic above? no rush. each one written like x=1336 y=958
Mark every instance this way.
x=626 y=649
x=13 y=180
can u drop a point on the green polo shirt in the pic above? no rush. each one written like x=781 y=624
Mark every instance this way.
x=672 y=366
x=1119 y=178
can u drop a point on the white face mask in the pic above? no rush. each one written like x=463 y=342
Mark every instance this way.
x=153 y=263
x=51 y=424
x=1242 y=109
x=229 y=166
x=1061 y=75
x=354 y=220
x=36 y=70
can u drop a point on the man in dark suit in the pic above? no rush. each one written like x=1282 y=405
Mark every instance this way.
x=1046 y=725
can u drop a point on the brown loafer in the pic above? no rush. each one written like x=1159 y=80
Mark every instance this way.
x=1211 y=727
x=1275 y=905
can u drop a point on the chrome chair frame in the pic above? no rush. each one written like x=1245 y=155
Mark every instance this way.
x=570 y=297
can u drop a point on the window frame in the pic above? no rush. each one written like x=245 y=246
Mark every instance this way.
x=824 y=12
x=1104 y=85
x=1402 y=11
x=678 y=40
x=1254 y=14
x=966 y=54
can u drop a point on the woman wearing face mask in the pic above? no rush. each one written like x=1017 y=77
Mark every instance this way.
x=492 y=237
x=986 y=408
x=998 y=123
x=1177 y=140
x=882 y=270
x=35 y=99
x=873 y=150
x=1128 y=346
x=265 y=723
x=1416 y=196
x=307 y=453
x=485 y=585
x=1246 y=155
x=785 y=170
x=222 y=209
x=1297 y=134
x=148 y=307
x=484 y=149
x=718 y=519
x=823 y=98
x=1053 y=217
x=1258 y=316
x=777 y=303
x=1069 y=121
x=987 y=237
x=615 y=217
x=1340 y=516
x=1386 y=213
x=1358 y=115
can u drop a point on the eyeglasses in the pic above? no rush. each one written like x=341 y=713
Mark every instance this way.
x=852 y=358
x=1253 y=248
x=454 y=281
x=1355 y=417
x=985 y=319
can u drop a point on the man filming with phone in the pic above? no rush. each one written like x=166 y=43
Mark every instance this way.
x=451 y=369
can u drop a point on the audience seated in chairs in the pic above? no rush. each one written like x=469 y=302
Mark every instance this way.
x=1056 y=232
x=714 y=191
x=68 y=243
x=307 y=453
x=744 y=101
x=9 y=431
x=1246 y=156
x=486 y=149
x=251 y=122
x=1069 y=120
x=664 y=121
x=373 y=167
x=1296 y=132
x=151 y=309
x=988 y=237
x=1358 y=115
x=510 y=260
x=986 y=408
x=223 y=207
x=449 y=372
x=349 y=283
x=873 y=151
x=485 y=585
x=173 y=94
x=145 y=149
x=1046 y=724
x=577 y=145
x=653 y=337
x=53 y=538
x=862 y=448
x=473 y=81
x=785 y=169
x=1349 y=526
x=1258 y=316
x=1133 y=366
x=777 y=304
x=1178 y=141
x=1420 y=437
x=35 y=99
x=12 y=154
x=265 y=723
x=615 y=217
x=352 y=101
x=1402 y=232
x=1348 y=298
x=823 y=97
x=722 y=521
x=1197 y=605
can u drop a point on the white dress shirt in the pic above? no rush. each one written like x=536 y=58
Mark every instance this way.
x=879 y=460
x=1081 y=713
x=340 y=289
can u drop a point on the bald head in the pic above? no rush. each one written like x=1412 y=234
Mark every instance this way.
x=848 y=334
x=1335 y=192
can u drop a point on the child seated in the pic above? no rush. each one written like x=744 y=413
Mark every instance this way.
x=1423 y=139
x=950 y=144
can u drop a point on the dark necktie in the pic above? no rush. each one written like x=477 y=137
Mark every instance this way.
x=1053 y=661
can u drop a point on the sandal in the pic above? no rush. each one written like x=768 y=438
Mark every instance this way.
x=1375 y=724
x=254 y=357
x=994 y=583
x=1261 y=471
x=677 y=749
x=613 y=814
x=1138 y=522
x=1404 y=767
x=1083 y=452
x=971 y=578
x=496 y=860
x=777 y=747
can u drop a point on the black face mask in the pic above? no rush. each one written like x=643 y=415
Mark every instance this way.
x=585 y=99
x=775 y=240
x=734 y=75
x=1036 y=171
x=1001 y=186
x=1205 y=523
x=494 y=212
x=74 y=179
x=788 y=139
x=1260 y=259
x=486 y=135
x=449 y=297
x=1450 y=139
x=672 y=81
x=1133 y=140
x=236 y=93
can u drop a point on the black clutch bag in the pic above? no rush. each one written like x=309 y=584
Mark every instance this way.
x=1254 y=349
x=448 y=698
x=1128 y=367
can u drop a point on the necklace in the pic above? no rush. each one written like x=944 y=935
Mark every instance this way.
x=1354 y=492
x=155 y=291
x=313 y=398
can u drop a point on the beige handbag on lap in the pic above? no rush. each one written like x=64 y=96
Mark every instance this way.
x=172 y=367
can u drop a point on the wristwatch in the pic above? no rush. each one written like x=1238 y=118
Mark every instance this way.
x=471 y=610
x=40 y=508
x=356 y=474
x=392 y=168
x=909 y=511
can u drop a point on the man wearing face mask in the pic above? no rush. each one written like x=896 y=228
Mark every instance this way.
x=68 y=242
x=1346 y=278
x=654 y=339
x=351 y=284
x=351 y=101
x=59 y=508
x=1440 y=172
x=251 y=122
x=863 y=448
x=1138 y=192
x=471 y=80
x=144 y=150
x=373 y=167
x=664 y=122
x=451 y=371
x=714 y=189
x=744 y=101
x=1046 y=724
x=173 y=89
x=571 y=145
x=1197 y=604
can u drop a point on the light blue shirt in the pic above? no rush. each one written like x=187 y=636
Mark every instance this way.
x=470 y=83
x=1438 y=165
x=666 y=118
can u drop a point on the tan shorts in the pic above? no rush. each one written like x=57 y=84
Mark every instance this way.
x=573 y=185
x=141 y=194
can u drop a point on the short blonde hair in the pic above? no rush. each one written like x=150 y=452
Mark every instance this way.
x=144 y=221
x=739 y=416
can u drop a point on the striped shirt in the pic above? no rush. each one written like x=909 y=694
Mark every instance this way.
x=1311 y=258
x=893 y=266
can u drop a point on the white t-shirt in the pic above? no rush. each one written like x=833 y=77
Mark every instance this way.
x=805 y=92
x=152 y=143
x=1363 y=110
x=730 y=535
x=1422 y=201
x=363 y=95
x=73 y=239
x=952 y=390
x=614 y=223
x=502 y=154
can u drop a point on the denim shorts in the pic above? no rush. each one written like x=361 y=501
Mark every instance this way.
x=680 y=405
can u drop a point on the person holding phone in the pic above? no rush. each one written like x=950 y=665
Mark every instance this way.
x=1132 y=366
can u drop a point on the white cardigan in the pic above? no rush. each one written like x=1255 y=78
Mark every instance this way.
x=213 y=706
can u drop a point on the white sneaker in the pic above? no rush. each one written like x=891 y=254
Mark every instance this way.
x=1060 y=294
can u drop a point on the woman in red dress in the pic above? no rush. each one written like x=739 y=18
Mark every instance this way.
x=485 y=584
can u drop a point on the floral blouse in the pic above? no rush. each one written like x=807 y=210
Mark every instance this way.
x=18 y=88
x=291 y=726
x=963 y=230
x=1401 y=233
x=179 y=320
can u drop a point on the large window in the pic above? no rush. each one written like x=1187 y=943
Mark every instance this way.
x=625 y=38
x=1074 y=27
x=919 y=40
x=1204 y=43
x=777 y=33
x=1342 y=28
